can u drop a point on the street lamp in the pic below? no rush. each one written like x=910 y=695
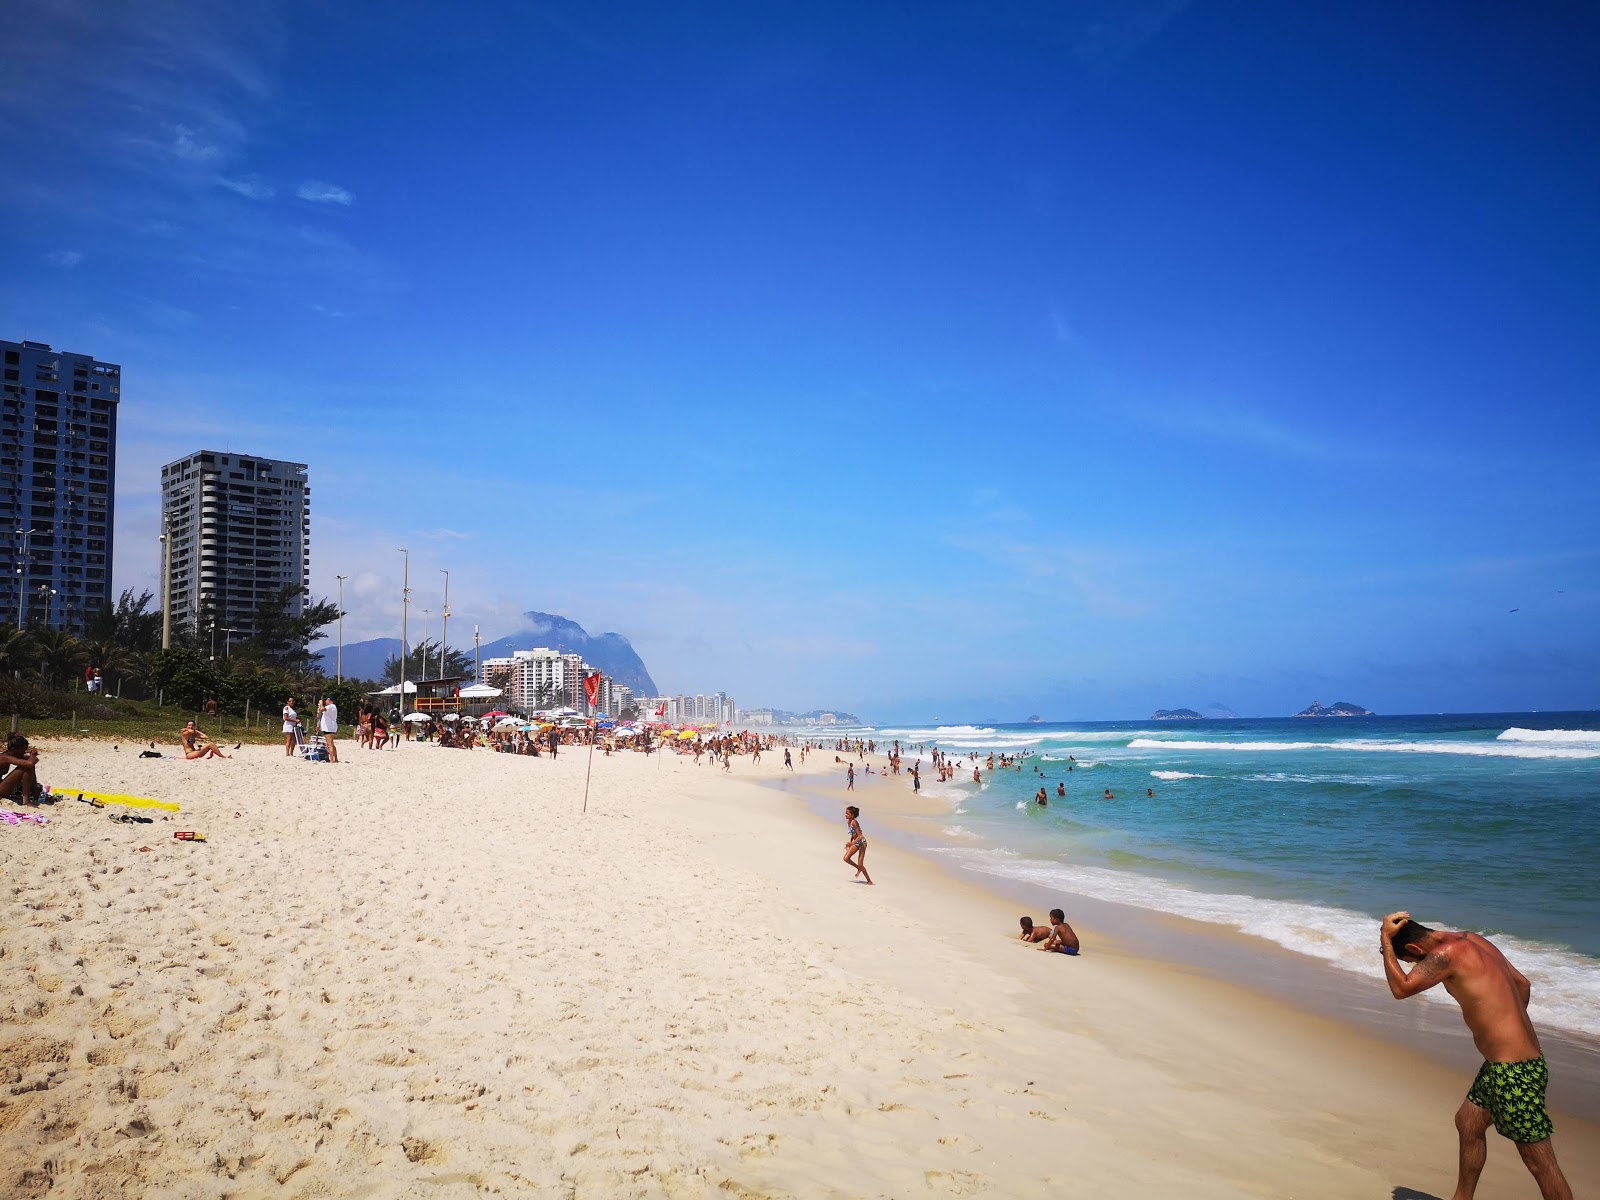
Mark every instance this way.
x=225 y=642
x=166 y=580
x=426 y=613
x=22 y=579
x=48 y=592
x=405 y=601
x=339 y=667
x=444 y=621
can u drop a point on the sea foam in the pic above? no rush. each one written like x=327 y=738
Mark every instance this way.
x=1494 y=749
x=1171 y=775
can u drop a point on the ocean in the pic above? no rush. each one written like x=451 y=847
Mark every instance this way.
x=1305 y=831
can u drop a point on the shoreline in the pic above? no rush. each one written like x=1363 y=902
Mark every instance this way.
x=1430 y=1028
x=427 y=970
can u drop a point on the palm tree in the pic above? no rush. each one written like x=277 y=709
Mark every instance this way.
x=17 y=650
x=59 y=654
x=108 y=655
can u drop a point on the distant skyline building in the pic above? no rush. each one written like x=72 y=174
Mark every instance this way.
x=58 y=474
x=239 y=527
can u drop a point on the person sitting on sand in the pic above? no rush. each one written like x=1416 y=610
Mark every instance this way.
x=197 y=745
x=1061 y=940
x=1032 y=932
x=21 y=770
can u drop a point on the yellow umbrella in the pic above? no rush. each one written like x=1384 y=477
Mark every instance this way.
x=689 y=733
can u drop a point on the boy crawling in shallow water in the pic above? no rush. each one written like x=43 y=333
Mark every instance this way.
x=1032 y=933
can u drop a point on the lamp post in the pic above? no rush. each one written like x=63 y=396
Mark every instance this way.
x=339 y=661
x=225 y=641
x=477 y=670
x=426 y=613
x=444 y=621
x=405 y=601
x=46 y=591
x=22 y=579
x=166 y=580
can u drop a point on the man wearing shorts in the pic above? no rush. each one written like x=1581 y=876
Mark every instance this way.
x=1493 y=995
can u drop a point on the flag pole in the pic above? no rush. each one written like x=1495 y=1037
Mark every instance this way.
x=588 y=703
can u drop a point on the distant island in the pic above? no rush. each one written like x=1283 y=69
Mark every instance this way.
x=1036 y=719
x=1176 y=714
x=1342 y=709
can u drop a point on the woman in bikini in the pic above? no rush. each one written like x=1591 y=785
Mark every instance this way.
x=197 y=745
x=855 y=849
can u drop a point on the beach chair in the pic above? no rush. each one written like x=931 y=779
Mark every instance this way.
x=311 y=749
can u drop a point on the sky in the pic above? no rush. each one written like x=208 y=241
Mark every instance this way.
x=935 y=361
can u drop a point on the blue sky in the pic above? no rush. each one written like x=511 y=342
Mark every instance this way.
x=933 y=360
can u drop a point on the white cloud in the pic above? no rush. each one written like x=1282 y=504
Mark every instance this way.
x=251 y=187
x=188 y=145
x=324 y=193
x=323 y=310
x=65 y=258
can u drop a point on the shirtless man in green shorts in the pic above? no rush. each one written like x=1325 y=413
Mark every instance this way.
x=1493 y=995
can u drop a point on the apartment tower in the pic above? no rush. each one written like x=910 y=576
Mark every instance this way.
x=239 y=531
x=58 y=473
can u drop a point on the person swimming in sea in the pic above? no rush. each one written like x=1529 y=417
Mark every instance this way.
x=1041 y=799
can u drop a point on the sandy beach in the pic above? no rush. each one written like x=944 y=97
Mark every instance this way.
x=426 y=972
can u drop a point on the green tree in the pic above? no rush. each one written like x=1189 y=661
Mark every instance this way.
x=423 y=662
x=17 y=650
x=184 y=675
x=59 y=654
x=282 y=637
x=130 y=623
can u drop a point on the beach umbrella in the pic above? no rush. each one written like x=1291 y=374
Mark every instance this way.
x=452 y=716
x=508 y=723
x=416 y=718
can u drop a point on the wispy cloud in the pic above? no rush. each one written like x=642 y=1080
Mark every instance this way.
x=251 y=187
x=1117 y=28
x=324 y=193
x=322 y=310
x=65 y=258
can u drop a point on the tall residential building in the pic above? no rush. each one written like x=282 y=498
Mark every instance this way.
x=58 y=474
x=239 y=529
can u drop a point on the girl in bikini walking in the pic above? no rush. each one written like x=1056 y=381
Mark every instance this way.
x=855 y=849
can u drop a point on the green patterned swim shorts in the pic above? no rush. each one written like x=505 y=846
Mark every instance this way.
x=1514 y=1095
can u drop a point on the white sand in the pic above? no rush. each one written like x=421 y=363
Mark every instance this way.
x=425 y=973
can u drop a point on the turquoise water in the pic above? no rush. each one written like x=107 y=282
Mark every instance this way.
x=1304 y=831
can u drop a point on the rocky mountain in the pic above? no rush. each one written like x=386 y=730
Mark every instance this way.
x=611 y=652
x=1342 y=709
x=1176 y=714
x=1218 y=711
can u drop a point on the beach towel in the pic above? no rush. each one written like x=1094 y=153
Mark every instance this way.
x=17 y=818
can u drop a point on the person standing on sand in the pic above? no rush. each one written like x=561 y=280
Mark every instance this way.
x=328 y=724
x=291 y=722
x=788 y=763
x=1509 y=1088
x=855 y=847
x=850 y=777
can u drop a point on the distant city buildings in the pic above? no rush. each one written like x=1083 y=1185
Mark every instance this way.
x=58 y=471
x=239 y=532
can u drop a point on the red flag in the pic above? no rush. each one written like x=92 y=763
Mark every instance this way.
x=662 y=711
x=591 y=689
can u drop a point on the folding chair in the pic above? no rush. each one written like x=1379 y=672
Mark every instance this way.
x=310 y=749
